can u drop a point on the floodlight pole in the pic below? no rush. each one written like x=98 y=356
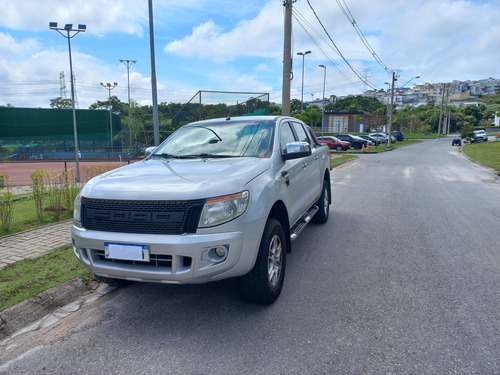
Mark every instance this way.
x=68 y=28
x=110 y=87
x=128 y=64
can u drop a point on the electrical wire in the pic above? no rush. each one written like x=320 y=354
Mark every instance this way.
x=360 y=77
x=350 y=17
x=303 y=23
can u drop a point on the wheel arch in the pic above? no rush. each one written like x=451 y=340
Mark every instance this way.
x=280 y=213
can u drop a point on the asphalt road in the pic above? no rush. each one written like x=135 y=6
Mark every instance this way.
x=404 y=278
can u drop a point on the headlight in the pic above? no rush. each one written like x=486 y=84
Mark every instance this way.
x=219 y=210
x=77 y=211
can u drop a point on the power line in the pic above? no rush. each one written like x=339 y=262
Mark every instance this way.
x=360 y=77
x=303 y=22
x=350 y=17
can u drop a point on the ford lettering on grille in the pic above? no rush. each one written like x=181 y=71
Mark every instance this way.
x=152 y=217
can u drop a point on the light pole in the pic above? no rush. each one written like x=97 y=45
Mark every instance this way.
x=128 y=64
x=108 y=86
x=68 y=29
x=302 y=96
x=324 y=84
x=411 y=79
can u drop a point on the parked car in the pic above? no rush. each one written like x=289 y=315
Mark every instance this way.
x=334 y=143
x=377 y=141
x=383 y=136
x=398 y=135
x=479 y=135
x=355 y=141
x=371 y=141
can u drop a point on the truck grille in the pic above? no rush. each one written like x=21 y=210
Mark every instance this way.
x=148 y=217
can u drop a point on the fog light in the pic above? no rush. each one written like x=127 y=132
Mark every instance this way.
x=218 y=254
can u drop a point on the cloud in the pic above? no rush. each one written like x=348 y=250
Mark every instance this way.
x=104 y=15
x=255 y=37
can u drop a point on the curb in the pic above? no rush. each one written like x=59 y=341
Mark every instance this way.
x=34 y=308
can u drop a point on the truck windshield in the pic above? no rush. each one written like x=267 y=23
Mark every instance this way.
x=220 y=139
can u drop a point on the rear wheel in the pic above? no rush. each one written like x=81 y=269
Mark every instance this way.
x=323 y=204
x=264 y=282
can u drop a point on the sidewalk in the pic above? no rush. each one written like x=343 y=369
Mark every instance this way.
x=34 y=242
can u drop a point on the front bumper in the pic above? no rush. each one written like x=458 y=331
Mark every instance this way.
x=176 y=259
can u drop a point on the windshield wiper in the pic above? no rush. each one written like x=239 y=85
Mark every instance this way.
x=165 y=155
x=204 y=155
x=171 y=156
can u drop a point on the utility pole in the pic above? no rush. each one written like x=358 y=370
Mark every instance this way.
x=389 y=125
x=441 y=110
x=287 y=59
x=156 y=124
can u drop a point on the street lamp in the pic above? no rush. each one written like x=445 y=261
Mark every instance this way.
x=324 y=84
x=302 y=96
x=128 y=64
x=108 y=86
x=411 y=79
x=69 y=33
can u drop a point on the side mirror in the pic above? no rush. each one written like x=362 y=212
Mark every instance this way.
x=149 y=151
x=296 y=150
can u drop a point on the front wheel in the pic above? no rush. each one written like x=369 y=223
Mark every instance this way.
x=339 y=148
x=264 y=282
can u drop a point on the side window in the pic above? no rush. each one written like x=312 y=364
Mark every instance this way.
x=301 y=132
x=314 y=139
x=286 y=136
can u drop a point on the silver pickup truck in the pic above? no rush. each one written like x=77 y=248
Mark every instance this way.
x=218 y=199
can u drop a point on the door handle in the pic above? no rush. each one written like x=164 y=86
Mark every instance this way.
x=285 y=176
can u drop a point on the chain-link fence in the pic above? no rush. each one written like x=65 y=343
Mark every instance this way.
x=17 y=173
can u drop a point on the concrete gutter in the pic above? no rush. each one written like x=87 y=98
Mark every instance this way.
x=26 y=312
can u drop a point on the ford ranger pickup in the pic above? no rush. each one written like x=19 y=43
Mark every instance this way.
x=218 y=199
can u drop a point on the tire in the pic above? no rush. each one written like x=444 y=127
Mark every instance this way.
x=264 y=282
x=357 y=146
x=114 y=282
x=323 y=204
x=338 y=148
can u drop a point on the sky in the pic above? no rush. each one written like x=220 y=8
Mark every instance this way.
x=237 y=46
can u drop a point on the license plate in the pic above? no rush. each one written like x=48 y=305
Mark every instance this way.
x=126 y=251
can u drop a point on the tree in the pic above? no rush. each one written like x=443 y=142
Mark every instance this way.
x=59 y=102
x=472 y=110
x=294 y=106
x=117 y=107
x=311 y=116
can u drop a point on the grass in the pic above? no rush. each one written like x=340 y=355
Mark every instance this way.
x=340 y=159
x=24 y=216
x=30 y=277
x=487 y=153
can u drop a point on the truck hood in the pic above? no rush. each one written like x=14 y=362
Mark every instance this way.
x=176 y=179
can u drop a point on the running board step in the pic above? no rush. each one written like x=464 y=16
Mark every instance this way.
x=302 y=222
